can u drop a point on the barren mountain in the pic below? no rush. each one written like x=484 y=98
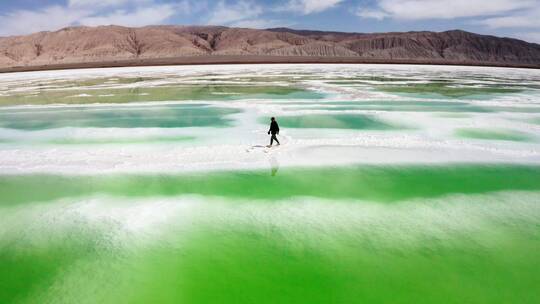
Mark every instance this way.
x=84 y=45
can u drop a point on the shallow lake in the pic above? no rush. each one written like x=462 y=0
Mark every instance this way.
x=392 y=184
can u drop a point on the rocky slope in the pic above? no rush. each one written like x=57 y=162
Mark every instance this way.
x=113 y=43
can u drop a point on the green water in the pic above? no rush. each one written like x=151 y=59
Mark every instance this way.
x=85 y=83
x=106 y=81
x=373 y=183
x=329 y=264
x=390 y=105
x=162 y=93
x=403 y=108
x=339 y=121
x=402 y=103
x=364 y=80
x=100 y=141
x=491 y=134
x=514 y=109
x=378 y=234
x=172 y=116
x=442 y=89
x=119 y=141
x=112 y=204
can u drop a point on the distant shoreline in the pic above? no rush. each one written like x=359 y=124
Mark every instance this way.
x=251 y=59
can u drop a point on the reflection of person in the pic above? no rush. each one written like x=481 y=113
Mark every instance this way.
x=274 y=165
x=274 y=129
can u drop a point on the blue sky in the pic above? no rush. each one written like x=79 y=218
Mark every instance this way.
x=510 y=18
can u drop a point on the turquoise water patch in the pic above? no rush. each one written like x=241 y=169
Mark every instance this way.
x=118 y=141
x=493 y=134
x=401 y=108
x=319 y=108
x=428 y=103
x=404 y=106
x=338 y=121
x=514 y=109
x=171 y=116
x=292 y=95
x=430 y=90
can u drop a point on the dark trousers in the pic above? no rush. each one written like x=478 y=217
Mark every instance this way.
x=273 y=138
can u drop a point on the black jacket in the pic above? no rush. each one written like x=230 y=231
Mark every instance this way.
x=274 y=128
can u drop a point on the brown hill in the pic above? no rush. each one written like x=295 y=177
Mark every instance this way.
x=84 y=45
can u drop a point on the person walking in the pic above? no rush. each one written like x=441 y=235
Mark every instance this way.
x=274 y=129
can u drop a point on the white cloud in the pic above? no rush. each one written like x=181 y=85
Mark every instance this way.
x=243 y=13
x=444 y=9
x=49 y=18
x=92 y=13
x=104 y=3
x=307 y=7
x=493 y=14
x=259 y=23
x=520 y=19
x=510 y=21
x=224 y=14
x=371 y=13
x=140 y=17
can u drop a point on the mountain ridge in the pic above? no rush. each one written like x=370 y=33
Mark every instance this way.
x=82 y=45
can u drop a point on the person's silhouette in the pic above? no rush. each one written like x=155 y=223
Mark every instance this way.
x=274 y=129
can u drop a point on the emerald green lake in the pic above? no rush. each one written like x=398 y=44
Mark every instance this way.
x=392 y=184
